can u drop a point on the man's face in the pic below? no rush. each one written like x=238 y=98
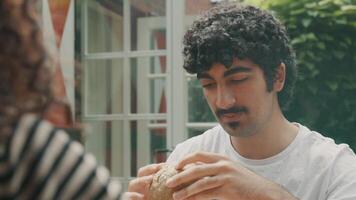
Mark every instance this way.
x=238 y=97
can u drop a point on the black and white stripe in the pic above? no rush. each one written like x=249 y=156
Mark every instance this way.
x=41 y=162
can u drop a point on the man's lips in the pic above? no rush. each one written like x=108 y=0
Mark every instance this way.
x=230 y=117
x=233 y=114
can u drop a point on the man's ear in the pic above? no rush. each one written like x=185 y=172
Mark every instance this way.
x=280 y=78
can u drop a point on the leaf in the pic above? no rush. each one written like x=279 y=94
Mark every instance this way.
x=321 y=45
x=310 y=66
x=306 y=22
x=311 y=5
x=313 y=13
x=332 y=85
x=297 y=40
x=296 y=12
x=313 y=89
x=348 y=40
x=310 y=54
x=342 y=21
x=326 y=37
x=315 y=73
x=325 y=2
x=310 y=36
x=348 y=8
x=339 y=54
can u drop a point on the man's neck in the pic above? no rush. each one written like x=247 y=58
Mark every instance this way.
x=273 y=139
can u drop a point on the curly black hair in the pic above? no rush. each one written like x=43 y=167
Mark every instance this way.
x=230 y=30
x=25 y=71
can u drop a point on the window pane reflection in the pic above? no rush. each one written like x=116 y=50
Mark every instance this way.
x=148 y=140
x=105 y=141
x=148 y=24
x=197 y=7
x=195 y=132
x=105 y=25
x=104 y=86
x=148 y=85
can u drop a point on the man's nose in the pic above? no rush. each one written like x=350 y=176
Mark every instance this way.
x=225 y=98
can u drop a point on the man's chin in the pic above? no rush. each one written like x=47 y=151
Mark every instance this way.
x=232 y=128
x=235 y=129
x=232 y=125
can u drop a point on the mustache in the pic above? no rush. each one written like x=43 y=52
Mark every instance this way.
x=232 y=110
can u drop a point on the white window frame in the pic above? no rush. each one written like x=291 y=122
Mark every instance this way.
x=176 y=81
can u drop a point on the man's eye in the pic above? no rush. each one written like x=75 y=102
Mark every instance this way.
x=208 y=85
x=238 y=80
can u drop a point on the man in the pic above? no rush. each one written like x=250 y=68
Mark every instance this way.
x=244 y=61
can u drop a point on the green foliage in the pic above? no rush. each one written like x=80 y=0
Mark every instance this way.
x=323 y=34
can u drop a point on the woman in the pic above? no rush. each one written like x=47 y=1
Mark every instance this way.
x=37 y=161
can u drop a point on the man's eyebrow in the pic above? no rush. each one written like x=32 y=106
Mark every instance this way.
x=203 y=75
x=234 y=70
x=237 y=69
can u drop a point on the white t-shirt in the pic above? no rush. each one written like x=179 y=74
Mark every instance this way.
x=312 y=167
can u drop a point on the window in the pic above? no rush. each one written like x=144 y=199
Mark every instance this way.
x=136 y=97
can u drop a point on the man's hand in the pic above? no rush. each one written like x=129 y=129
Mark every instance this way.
x=138 y=188
x=212 y=176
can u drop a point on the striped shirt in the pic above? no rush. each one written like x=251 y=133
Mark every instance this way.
x=41 y=162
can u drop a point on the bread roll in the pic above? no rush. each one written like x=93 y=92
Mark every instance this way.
x=158 y=189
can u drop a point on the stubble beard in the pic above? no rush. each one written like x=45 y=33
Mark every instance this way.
x=236 y=129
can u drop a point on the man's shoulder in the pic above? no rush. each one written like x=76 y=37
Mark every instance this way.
x=334 y=163
x=203 y=142
x=322 y=144
x=209 y=136
x=324 y=150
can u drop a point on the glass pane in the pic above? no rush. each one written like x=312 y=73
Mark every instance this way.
x=148 y=85
x=197 y=7
x=148 y=143
x=148 y=24
x=194 y=132
x=198 y=108
x=194 y=8
x=105 y=141
x=39 y=7
x=105 y=25
x=104 y=79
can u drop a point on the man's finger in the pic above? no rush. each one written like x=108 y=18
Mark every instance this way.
x=140 y=184
x=196 y=172
x=149 y=169
x=209 y=194
x=203 y=185
x=187 y=166
x=204 y=157
x=132 y=196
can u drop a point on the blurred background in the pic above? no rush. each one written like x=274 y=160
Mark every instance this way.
x=119 y=72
